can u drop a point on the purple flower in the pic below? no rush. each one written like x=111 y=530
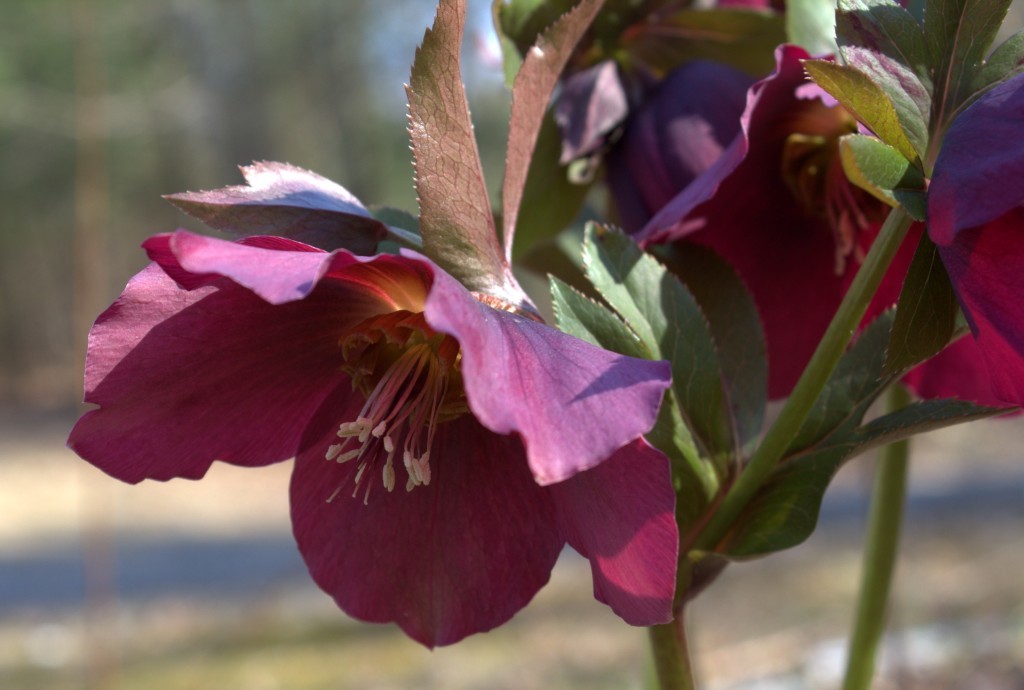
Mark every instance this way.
x=446 y=450
x=976 y=218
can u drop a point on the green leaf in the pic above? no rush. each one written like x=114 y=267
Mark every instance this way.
x=666 y=317
x=811 y=25
x=880 y=170
x=550 y=200
x=958 y=34
x=742 y=38
x=785 y=511
x=456 y=220
x=1004 y=62
x=530 y=95
x=511 y=59
x=856 y=382
x=736 y=329
x=883 y=40
x=927 y=311
x=918 y=418
x=521 y=21
x=583 y=318
x=866 y=100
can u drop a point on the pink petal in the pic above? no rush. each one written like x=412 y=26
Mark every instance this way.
x=573 y=404
x=184 y=378
x=984 y=265
x=281 y=270
x=443 y=561
x=621 y=515
x=957 y=372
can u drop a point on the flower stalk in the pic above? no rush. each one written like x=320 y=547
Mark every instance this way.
x=799 y=404
x=672 y=655
x=880 y=550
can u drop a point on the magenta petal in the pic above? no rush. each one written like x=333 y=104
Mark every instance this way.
x=979 y=174
x=957 y=372
x=984 y=266
x=573 y=404
x=621 y=515
x=184 y=378
x=443 y=561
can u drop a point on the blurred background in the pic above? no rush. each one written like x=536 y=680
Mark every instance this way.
x=107 y=104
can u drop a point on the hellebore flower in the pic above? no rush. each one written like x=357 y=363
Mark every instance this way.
x=776 y=203
x=682 y=130
x=976 y=218
x=445 y=450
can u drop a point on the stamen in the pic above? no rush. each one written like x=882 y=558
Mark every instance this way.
x=406 y=371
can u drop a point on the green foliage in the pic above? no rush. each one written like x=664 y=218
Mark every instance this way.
x=736 y=329
x=885 y=42
x=868 y=102
x=810 y=24
x=550 y=200
x=926 y=316
x=879 y=169
x=741 y=38
x=1005 y=61
x=785 y=510
x=958 y=34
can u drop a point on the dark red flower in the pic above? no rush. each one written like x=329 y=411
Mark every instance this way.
x=445 y=450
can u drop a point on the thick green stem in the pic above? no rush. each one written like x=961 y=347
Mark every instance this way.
x=672 y=655
x=883 y=536
x=812 y=381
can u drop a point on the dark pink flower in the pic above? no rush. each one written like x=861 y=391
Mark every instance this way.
x=776 y=204
x=446 y=450
x=976 y=218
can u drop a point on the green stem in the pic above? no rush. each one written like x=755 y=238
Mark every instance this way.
x=883 y=535
x=671 y=655
x=812 y=381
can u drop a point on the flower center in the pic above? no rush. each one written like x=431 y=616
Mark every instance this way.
x=409 y=376
x=813 y=171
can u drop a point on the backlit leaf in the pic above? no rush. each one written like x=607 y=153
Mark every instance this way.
x=285 y=200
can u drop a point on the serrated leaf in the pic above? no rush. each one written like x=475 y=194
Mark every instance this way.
x=743 y=38
x=285 y=200
x=531 y=92
x=666 y=317
x=855 y=383
x=810 y=24
x=582 y=317
x=1004 y=62
x=785 y=511
x=958 y=34
x=866 y=100
x=736 y=329
x=927 y=311
x=456 y=220
x=880 y=170
x=884 y=41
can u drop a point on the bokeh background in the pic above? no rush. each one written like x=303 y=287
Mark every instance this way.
x=107 y=104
